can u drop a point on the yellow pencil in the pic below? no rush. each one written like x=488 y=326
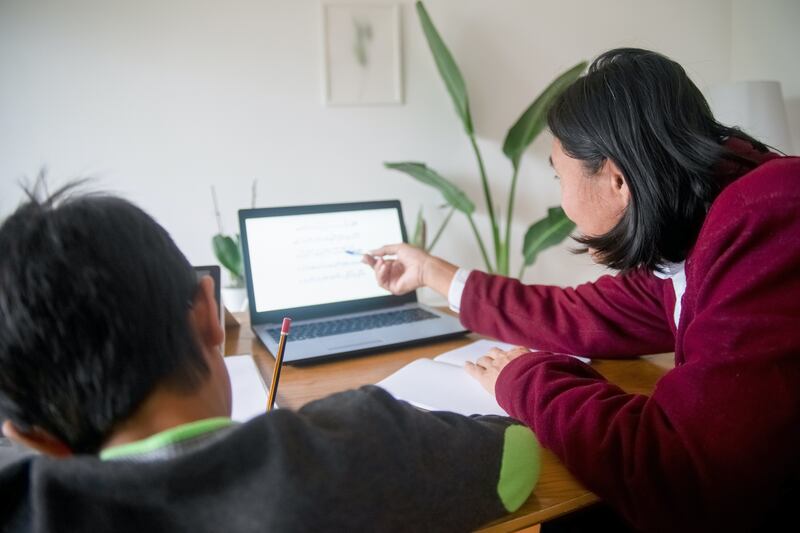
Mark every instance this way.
x=276 y=372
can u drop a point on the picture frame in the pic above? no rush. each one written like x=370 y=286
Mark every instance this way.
x=361 y=50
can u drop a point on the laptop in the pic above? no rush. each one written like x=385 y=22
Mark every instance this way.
x=296 y=264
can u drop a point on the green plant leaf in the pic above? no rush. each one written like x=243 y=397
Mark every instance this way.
x=420 y=231
x=531 y=123
x=447 y=68
x=441 y=228
x=228 y=253
x=547 y=232
x=452 y=194
x=502 y=260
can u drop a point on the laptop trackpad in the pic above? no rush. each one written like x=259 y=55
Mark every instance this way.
x=351 y=345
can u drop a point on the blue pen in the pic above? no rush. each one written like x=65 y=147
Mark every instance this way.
x=367 y=252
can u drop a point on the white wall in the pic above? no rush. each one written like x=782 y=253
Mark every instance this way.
x=162 y=98
x=765 y=45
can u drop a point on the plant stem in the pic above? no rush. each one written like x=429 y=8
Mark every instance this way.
x=487 y=193
x=521 y=271
x=511 y=195
x=480 y=244
x=216 y=209
x=441 y=229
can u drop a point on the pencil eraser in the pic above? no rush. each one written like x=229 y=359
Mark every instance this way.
x=287 y=322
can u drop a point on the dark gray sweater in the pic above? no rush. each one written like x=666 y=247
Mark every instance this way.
x=356 y=461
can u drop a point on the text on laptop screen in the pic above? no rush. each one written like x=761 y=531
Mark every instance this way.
x=301 y=260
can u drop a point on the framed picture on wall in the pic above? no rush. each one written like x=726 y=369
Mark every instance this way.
x=361 y=53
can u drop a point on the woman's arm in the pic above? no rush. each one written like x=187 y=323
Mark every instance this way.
x=615 y=316
x=612 y=317
x=715 y=446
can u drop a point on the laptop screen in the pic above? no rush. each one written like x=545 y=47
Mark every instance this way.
x=300 y=259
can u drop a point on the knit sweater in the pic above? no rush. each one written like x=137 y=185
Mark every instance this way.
x=715 y=447
x=356 y=461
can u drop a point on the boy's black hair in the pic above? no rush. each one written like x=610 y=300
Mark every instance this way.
x=640 y=110
x=94 y=314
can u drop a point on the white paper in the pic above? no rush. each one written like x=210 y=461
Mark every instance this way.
x=439 y=386
x=248 y=390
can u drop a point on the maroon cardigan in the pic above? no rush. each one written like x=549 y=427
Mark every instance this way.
x=717 y=444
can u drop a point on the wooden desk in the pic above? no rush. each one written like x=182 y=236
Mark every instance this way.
x=557 y=492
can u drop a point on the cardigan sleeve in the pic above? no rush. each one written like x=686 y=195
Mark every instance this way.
x=715 y=446
x=615 y=316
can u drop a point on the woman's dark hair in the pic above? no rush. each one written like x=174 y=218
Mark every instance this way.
x=94 y=314
x=640 y=110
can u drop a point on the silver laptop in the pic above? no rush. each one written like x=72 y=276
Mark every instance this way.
x=297 y=264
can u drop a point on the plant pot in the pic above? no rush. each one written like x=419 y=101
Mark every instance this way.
x=234 y=299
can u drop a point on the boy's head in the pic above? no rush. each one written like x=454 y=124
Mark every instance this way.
x=95 y=313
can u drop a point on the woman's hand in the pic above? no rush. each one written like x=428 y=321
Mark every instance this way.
x=487 y=368
x=409 y=269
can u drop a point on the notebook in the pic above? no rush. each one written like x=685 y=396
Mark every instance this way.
x=299 y=262
x=247 y=389
x=442 y=384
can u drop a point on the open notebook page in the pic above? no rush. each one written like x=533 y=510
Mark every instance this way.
x=442 y=384
x=479 y=348
x=471 y=352
x=437 y=386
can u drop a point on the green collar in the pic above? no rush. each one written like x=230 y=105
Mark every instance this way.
x=166 y=438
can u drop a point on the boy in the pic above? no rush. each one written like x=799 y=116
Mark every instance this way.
x=109 y=361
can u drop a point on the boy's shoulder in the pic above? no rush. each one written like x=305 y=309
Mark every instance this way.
x=350 y=461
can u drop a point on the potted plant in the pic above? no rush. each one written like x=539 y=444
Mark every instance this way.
x=228 y=251
x=542 y=234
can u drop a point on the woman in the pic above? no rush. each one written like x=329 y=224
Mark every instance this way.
x=703 y=224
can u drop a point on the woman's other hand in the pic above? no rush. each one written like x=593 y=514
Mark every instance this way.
x=487 y=368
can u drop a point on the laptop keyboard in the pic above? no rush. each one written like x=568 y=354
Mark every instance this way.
x=349 y=325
